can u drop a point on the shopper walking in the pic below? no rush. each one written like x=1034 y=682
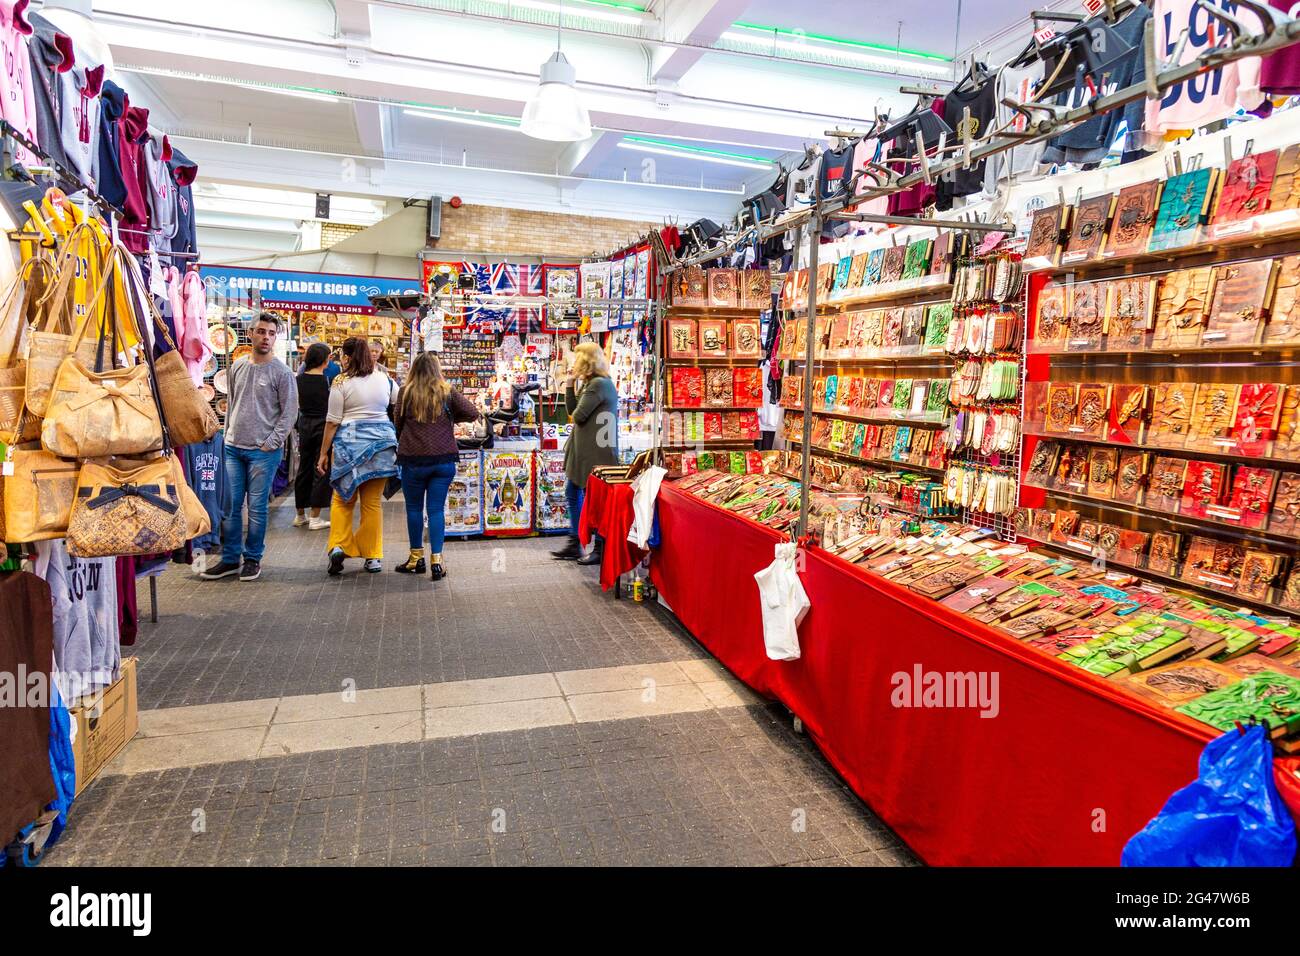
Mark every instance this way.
x=358 y=452
x=311 y=490
x=592 y=403
x=427 y=410
x=263 y=406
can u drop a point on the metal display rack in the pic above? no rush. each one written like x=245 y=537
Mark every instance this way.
x=1042 y=121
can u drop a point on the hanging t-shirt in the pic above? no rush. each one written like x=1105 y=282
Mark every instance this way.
x=909 y=202
x=17 y=100
x=84 y=592
x=1020 y=162
x=835 y=171
x=1280 y=72
x=1210 y=96
x=1090 y=142
x=133 y=133
x=162 y=190
x=184 y=171
x=51 y=54
x=868 y=150
x=207 y=477
x=970 y=110
x=80 y=88
x=113 y=103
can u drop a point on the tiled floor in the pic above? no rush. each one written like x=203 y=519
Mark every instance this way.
x=511 y=714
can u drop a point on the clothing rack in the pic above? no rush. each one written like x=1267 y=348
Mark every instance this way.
x=1044 y=121
x=67 y=175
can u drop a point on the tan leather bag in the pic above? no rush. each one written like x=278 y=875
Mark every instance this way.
x=188 y=416
x=196 y=516
x=128 y=507
x=15 y=309
x=37 y=496
x=48 y=343
x=96 y=413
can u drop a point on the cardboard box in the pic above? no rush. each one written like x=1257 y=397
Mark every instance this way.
x=103 y=724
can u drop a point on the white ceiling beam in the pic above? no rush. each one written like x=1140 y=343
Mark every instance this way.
x=353 y=19
x=254 y=58
x=698 y=22
x=583 y=157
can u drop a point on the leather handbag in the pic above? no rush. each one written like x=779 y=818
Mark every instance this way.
x=50 y=342
x=197 y=520
x=95 y=413
x=16 y=420
x=131 y=507
x=189 y=418
x=37 y=496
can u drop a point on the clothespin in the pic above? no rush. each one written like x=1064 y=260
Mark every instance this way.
x=965 y=132
x=1227 y=151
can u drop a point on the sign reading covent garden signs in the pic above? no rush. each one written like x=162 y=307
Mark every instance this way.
x=275 y=288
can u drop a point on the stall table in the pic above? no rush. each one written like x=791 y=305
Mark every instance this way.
x=1061 y=769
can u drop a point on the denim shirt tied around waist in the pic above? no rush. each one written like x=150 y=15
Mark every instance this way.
x=363 y=451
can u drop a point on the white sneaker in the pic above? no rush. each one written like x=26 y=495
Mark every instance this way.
x=200 y=562
x=374 y=565
x=300 y=520
x=318 y=524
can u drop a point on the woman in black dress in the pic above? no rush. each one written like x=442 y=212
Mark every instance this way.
x=310 y=490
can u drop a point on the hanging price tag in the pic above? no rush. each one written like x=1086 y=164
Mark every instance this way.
x=1043 y=35
x=1093 y=6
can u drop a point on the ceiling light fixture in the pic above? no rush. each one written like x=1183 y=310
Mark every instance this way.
x=465 y=119
x=590 y=10
x=694 y=152
x=764 y=39
x=301 y=94
x=555 y=112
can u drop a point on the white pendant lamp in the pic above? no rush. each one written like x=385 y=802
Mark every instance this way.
x=555 y=111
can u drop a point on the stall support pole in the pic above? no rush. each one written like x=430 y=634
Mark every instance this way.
x=812 y=231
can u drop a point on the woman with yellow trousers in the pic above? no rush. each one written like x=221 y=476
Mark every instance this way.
x=359 y=452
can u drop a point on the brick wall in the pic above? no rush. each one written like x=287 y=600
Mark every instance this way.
x=522 y=232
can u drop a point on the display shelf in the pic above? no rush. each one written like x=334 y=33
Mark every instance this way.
x=710 y=408
x=1192 y=523
x=1192 y=454
x=939 y=357
x=1216 y=244
x=937 y=287
x=716 y=311
x=880 y=419
x=1285 y=352
x=747 y=443
x=1171 y=581
x=722 y=362
x=854 y=459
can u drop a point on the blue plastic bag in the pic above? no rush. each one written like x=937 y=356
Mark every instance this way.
x=62 y=763
x=1231 y=815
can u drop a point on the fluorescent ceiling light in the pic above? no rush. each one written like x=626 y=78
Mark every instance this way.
x=764 y=39
x=693 y=152
x=466 y=119
x=301 y=94
x=588 y=9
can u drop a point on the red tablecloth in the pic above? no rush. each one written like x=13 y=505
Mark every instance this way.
x=607 y=510
x=1064 y=774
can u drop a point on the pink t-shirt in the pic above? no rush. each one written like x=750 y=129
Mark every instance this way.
x=1210 y=96
x=17 y=101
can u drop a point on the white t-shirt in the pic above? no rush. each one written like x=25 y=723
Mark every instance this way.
x=360 y=399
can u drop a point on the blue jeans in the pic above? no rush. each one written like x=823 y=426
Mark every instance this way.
x=425 y=489
x=249 y=471
x=574 y=495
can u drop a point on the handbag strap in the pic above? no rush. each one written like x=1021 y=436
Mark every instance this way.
x=68 y=262
x=135 y=283
x=17 y=290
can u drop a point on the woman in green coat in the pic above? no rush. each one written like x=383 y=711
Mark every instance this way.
x=592 y=403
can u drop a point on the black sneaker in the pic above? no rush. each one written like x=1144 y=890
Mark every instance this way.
x=336 y=562
x=223 y=569
x=251 y=571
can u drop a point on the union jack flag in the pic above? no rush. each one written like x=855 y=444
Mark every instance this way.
x=505 y=278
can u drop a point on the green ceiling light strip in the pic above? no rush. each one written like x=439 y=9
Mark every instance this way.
x=698 y=149
x=506 y=122
x=613 y=3
x=862 y=44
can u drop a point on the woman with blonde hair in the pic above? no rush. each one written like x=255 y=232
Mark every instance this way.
x=427 y=410
x=592 y=403
x=359 y=453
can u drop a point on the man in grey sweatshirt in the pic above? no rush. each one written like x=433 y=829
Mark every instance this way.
x=263 y=407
